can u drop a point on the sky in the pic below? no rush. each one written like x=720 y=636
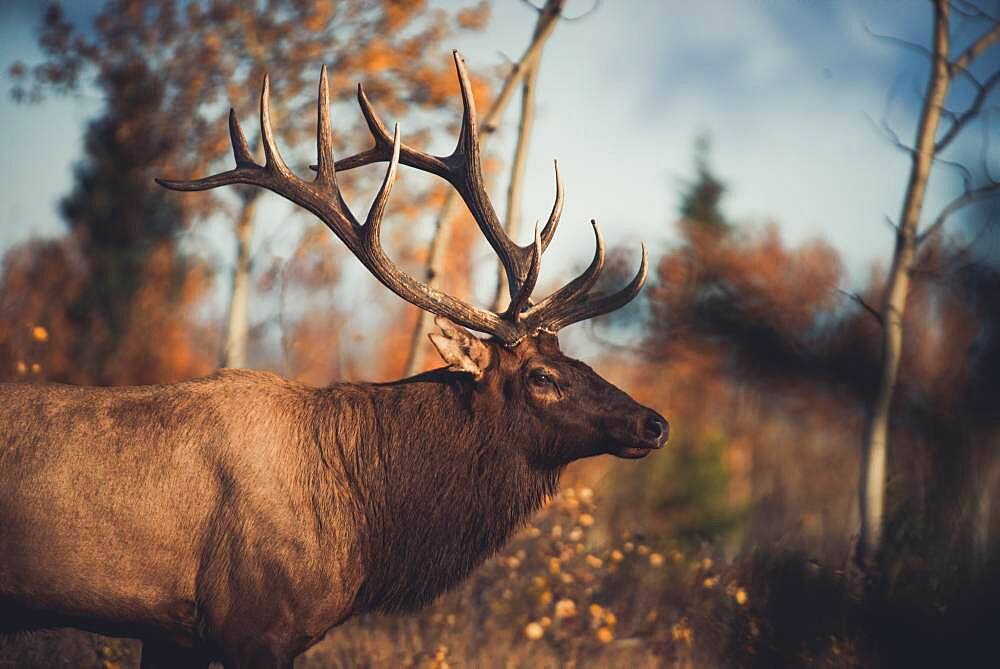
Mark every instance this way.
x=789 y=91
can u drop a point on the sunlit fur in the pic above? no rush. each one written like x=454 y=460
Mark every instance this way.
x=242 y=515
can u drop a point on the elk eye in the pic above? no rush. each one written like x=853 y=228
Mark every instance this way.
x=541 y=378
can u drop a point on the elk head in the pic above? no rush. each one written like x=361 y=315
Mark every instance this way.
x=572 y=410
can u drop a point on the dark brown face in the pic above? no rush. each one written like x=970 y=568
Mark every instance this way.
x=573 y=412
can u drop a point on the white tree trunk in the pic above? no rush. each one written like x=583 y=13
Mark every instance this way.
x=893 y=305
x=234 y=352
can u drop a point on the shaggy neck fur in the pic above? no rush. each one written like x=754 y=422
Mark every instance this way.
x=438 y=477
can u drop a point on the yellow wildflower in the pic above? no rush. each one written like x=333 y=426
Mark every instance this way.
x=610 y=619
x=682 y=632
x=586 y=519
x=617 y=555
x=545 y=621
x=596 y=610
x=741 y=596
x=656 y=559
x=39 y=333
x=711 y=582
x=545 y=597
x=586 y=494
x=22 y=368
x=605 y=635
x=534 y=631
x=554 y=565
x=643 y=549
x=35 y=368
x=565 y=608
x=594 y=561
x=576 y=534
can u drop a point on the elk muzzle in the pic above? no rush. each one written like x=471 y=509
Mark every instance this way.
x=649 y=432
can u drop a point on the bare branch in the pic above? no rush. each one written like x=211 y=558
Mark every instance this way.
x=969 y=114
x=984 y=155
x=860 y=301
x=890 y=134
x=971 y=11
x=963 y=200
x=593 y=8
x=976 y=49
x=960 y=65
x=899 y=41
x=966 y=174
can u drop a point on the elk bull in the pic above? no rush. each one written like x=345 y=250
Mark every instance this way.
x=239 y=517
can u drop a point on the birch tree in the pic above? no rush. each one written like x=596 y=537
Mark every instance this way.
x=932 y=138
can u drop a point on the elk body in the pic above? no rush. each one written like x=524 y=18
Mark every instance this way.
x=240 y=516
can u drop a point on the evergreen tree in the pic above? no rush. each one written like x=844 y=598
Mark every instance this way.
x=701 y=196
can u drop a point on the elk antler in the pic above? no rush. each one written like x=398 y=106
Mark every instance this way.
x=462 y=170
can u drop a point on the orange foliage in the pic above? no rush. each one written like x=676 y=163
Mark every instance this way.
x=43 y=286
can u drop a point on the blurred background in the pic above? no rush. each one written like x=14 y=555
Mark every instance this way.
x=762 y=150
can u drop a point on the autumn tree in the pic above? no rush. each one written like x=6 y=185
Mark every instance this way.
x=208 y=55
x=112 y=302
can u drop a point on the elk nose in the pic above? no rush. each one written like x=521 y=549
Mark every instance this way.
x=655 y=429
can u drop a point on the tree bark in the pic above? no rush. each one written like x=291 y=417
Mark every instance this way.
x=894 y=297
x=234 y=352
x=544 y=26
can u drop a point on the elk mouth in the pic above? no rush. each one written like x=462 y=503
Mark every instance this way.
x=634 y=452
x=651 y=434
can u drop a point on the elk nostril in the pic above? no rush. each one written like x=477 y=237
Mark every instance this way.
x=656 y=428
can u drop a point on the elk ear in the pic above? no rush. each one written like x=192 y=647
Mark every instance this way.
x=460 y=349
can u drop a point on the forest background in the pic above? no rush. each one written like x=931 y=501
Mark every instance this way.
x=765 y=167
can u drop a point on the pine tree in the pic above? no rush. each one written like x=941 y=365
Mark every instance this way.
x=702 y=196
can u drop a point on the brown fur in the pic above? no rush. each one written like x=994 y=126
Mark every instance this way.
x=240 y=516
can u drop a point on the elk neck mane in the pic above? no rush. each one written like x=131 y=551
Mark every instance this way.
x=437 y=475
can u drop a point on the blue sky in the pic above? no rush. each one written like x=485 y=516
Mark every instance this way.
x=785 y=88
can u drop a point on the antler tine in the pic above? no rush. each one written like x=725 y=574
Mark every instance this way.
x=241 y=150
x=416 y=292
x=326 y=172
x=323 y=198
x=549 y=231
x=568 y=313
x=382 y=150
x=272 y=157
x=465 y=161
x=521 y=299
x=462 y=169
x=575 y=288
